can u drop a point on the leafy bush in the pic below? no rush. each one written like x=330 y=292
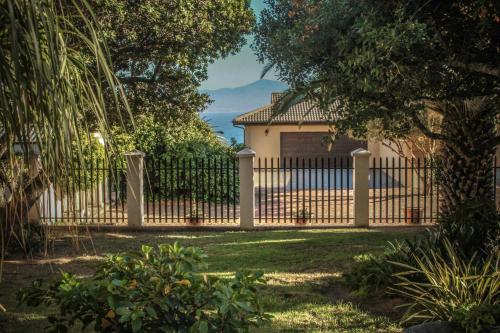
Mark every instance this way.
x=450 y=283
x=150 y=291
x=473 y=228
x=479 y=318
x=372 y=273
x=193 y=139
x=183 y=149
x=368 y=275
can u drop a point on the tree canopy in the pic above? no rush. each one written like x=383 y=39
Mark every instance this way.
x=388 y=60
x=394 y=62
x=161 y=49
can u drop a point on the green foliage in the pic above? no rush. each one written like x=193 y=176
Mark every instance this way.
x=388 y=59
x=47 y=86
x=177 y=139
x=49 y=90
x=473 y=227
x=150 y=291
x=161 y=51
x=450 y=283
x=395 y=65
x=368 y=275
x=183 y=146
x=479 y=318
x=371 y=273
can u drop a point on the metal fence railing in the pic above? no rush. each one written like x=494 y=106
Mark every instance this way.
x=94 y=193
x=194 y=191
x=403 y=191
x=303 y=191
x=205 y=191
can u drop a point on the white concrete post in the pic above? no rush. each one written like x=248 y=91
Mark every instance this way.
x=360 y=185
x=247 y=188
x=135 y=181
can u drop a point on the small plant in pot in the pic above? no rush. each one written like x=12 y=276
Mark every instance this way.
x=302 y=216
x=195 y=216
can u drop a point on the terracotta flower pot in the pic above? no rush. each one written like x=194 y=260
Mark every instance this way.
x=301 y=221
x=195 y=220
x=413 y=215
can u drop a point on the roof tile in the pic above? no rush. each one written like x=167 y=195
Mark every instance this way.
x=305 y=112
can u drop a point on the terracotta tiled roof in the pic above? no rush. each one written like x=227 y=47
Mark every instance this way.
x=304 y=113
x=275 y=96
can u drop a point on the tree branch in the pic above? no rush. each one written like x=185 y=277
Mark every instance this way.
x=438 y=136
x=137 y=79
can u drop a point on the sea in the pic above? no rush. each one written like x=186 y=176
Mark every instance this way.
x=222 y=123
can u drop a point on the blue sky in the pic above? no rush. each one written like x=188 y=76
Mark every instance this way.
x=237 y=70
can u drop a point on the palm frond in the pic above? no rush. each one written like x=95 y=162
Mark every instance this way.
x=266 y=69
x=48 y=88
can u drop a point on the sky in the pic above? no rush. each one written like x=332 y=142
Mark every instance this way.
x=237 y=70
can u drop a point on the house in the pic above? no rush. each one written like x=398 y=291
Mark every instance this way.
x=300 y=133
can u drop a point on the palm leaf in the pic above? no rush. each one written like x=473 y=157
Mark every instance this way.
x=48 y=90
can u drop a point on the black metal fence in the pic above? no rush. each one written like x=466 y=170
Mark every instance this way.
x=287 y=191
x=191 y=191
x=303 y=191
x=94 y=193
x=403 y=191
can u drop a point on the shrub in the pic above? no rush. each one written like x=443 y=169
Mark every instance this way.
x=450 y=283
x=473 y=228
x=368 y=274
x=150 y=291
x=372 y=273
x=182 y=154
x=479 y=318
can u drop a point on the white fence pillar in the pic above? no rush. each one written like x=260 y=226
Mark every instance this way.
x=361 y=164
x=135 y=195
x=247 y=188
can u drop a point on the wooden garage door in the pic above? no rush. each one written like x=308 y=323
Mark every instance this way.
x=311 y=145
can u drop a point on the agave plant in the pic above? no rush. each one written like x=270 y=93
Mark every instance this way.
x=48 y=90
x=450 y=283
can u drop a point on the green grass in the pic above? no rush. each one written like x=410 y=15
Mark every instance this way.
x=304 y=292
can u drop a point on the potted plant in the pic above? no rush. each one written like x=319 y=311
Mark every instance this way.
x=302 y=216
x=195 y=216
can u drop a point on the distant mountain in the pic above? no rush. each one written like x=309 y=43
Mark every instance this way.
x=245 y=98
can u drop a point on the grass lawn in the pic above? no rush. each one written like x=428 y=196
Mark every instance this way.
x=304 y=292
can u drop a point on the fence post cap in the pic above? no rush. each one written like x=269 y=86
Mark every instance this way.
x=360 y=152
x=135 y=153
x=247 y=152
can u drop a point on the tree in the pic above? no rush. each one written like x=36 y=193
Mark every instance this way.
x=46 y=89
x=161 y=49
x=392 y=62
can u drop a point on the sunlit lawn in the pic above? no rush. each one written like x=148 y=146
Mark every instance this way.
x=304 y=292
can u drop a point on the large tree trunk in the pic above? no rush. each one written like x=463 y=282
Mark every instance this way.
x=469 y=218
x=467 y=164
